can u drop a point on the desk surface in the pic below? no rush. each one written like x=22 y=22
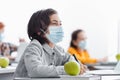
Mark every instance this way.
x=65 y=77
x=103 y=64
x=7 y=70
x=110 y=78
x=104 y=67
x=104 y=72
x=72 y=78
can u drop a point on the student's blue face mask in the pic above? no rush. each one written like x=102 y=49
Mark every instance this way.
x=1 y=37
x=55 y=34
x=82 y=44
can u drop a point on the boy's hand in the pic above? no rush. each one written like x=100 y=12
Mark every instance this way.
x=83 y=68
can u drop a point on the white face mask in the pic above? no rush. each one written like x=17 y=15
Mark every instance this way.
x=82 y=44
x=56 y=34
x=1 y=37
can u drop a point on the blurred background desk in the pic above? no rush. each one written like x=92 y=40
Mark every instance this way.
x=7 y=73
x=110 y=77
x=102 y=66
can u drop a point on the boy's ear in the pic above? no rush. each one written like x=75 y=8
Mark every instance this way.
x=38 y=33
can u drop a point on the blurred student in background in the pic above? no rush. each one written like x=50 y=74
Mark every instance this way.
x=78 y=48
x=1 y=31
x=6 y=48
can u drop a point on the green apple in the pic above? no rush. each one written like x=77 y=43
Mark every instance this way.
x=118 y=57
x=4 y=62
x=72 y=68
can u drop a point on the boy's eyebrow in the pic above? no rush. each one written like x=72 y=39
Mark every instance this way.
x=56 y=21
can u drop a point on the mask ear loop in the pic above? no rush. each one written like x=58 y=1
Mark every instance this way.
x=42 y=31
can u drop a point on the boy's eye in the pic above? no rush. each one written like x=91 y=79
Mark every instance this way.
x=54 y=24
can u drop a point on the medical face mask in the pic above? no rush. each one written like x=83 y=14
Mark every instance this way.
x=1 y=36
x=82 y=44
x=55 y=34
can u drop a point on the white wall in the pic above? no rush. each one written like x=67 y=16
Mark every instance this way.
x=99 y=18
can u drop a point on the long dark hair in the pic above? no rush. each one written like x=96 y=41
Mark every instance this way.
x=39 y=22
x=74 y=37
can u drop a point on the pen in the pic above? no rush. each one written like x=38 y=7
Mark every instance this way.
x=75 y=58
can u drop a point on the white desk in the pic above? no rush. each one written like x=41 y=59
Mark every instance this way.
x=103 y=64
x=7 y=70
x=104 y=67
x=75 y=78
x=110 y=78
x=106 y=74
x=66 y=77
x=7 y=73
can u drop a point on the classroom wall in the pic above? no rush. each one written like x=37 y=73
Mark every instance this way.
x=99 y=18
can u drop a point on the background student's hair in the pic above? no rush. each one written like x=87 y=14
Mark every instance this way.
x=1 y=25
x=74 y=37
x=39 y=23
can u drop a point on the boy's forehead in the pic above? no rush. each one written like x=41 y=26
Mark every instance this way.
x=55 y=18
x=82 y=34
